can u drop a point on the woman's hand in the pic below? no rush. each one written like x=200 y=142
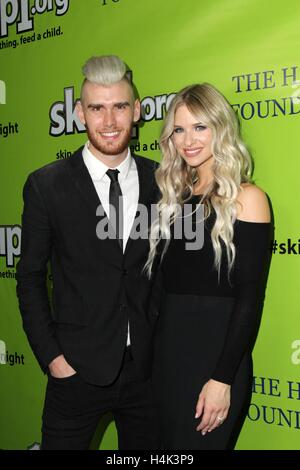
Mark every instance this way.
x=213 y=404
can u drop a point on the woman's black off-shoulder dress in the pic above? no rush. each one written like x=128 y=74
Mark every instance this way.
x=206 y=330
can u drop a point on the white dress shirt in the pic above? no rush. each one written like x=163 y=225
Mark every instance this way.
x=129 y=183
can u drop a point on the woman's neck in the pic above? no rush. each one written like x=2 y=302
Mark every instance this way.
x=205 y=179
x=202 y=186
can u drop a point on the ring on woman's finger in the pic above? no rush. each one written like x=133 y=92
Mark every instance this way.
x=220 y=418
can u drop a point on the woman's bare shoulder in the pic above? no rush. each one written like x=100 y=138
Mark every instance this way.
x=253 y=204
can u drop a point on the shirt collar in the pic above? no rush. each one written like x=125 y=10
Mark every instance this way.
x=98 y=169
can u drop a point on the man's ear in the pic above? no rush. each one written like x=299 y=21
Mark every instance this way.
x=136 y=111
x=80 y=111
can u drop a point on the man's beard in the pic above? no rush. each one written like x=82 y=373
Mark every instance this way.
x=110 y=148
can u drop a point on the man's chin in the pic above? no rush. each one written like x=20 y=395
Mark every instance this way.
x=111 y=150
x=108 y=150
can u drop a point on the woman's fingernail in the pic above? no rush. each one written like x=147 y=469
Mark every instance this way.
x=203 y=433
x=196 y=415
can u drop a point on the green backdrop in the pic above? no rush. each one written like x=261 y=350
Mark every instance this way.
x=249 y=49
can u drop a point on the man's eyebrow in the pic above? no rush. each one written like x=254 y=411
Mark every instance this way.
x=95 y=105
x=115 y=105
x=122 y=103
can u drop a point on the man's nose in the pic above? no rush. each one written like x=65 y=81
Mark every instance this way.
x=109 y=118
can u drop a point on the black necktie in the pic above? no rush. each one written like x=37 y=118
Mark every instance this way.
x=116 y=201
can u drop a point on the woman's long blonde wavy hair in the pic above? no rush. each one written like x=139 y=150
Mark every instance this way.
x=232 y=166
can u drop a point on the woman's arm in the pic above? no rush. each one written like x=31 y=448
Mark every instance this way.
x=252 y=239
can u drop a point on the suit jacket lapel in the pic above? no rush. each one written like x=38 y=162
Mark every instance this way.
x=145 y=188
x=84 y=184
x=82 y=180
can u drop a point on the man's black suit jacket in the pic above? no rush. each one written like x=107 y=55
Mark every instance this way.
x=96 y=289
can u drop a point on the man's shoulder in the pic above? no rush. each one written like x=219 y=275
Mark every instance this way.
x=146 y=162
x=55 y=169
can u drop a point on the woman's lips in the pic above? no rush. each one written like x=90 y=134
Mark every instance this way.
x=192 y=152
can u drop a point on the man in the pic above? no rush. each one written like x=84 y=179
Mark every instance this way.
x=95 y=339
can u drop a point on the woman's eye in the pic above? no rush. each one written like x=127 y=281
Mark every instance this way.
x=200 y=128
x=177 y=130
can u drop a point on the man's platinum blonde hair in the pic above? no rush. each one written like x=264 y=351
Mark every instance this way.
x=232 y=167
x=105 y=70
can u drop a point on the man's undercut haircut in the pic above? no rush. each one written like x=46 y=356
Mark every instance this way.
x=105 y=70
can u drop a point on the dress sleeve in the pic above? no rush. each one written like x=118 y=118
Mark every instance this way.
x=253 y=242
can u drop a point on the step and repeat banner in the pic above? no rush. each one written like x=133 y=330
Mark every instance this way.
x=247 y=49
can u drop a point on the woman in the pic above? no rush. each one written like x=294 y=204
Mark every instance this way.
x=213 y=296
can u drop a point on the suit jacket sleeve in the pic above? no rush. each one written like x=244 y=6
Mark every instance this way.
x=32 y=292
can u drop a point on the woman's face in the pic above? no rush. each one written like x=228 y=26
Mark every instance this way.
x=192 y=139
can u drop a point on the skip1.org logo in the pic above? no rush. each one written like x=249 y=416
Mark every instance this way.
x=2 y=92
x=21 y=13
x=10 y=243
